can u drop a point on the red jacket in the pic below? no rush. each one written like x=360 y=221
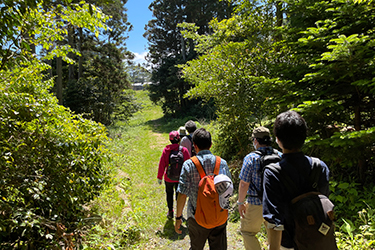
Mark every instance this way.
x=164 y=160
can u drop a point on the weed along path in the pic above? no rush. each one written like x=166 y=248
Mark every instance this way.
x=139 y=145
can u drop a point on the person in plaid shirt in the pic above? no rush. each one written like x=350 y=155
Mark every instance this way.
x=188 y=187
x=250 y=184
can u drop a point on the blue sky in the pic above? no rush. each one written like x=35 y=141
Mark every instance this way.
x=138 y=15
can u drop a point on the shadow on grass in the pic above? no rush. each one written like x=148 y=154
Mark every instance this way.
x=165 y=125
x=169 y=232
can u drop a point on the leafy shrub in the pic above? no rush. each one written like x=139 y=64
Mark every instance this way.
x=51 y=162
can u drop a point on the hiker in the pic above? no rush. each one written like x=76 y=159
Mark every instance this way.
x=251 y=209
x=164 y=164
x=290 y=130
x=188 y=187
x=182 y=133
x=187 y=141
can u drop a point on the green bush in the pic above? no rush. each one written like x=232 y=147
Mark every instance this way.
x=51 y=162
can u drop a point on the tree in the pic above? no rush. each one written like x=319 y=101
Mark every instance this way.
x=98 y=88
x=168 y=48
x=138 y=73
x=319 y=62
x=341 y=76
x=51 y=160
x=236 y=69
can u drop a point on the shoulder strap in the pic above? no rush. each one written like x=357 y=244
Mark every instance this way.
x=316 y=169
x=259 y=152
x=199 y=167
x=217 y=165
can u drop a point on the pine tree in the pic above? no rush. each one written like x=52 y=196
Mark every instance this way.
x=168 y=48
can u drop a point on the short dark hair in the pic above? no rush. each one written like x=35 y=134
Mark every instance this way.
x=202 y=138
x=175 y=141
x=291 y=129
x=190 y=126
x=265 y=140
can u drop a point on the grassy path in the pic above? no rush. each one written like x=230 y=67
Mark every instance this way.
x=139 y=146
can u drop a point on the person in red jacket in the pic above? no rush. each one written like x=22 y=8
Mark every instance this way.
x=170 y=185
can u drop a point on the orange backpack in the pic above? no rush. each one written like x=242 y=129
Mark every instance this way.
x=208 y=213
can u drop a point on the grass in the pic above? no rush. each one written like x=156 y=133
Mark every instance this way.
x=133 y=208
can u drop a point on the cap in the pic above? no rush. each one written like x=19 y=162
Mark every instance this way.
x=261 y=132
x=174 y=135
x=182 y=131
x=224 y=187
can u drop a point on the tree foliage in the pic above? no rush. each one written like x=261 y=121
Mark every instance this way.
x=138 y=73
x=317 y=59
x=101 y=92
x=51 y=160
x=168 y=48
x=236 y=69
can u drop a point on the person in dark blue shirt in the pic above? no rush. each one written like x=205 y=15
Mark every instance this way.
x=290 y=130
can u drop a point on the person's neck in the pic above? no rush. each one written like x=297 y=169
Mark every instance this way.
x=261 y=146
x=290 y=151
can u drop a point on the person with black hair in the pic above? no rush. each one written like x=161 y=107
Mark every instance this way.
x=250 y=209
x=290 y=130
x=170 y=185
x=188 y=187
x=187 y=141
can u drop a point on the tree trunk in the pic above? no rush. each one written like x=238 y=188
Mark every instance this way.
x=59 y=80
x=70 y=55
x=279 y=20
x=80 y=51
x=357 y=126
x=183 y=48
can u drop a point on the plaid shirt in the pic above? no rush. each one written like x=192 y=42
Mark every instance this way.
x=251 y=173
x=189 y=177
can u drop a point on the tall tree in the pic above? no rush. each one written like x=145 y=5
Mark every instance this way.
x=236 y=69
x=100 y=91
x=168 y=48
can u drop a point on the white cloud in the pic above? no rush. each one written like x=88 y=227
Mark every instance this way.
x=140 y=58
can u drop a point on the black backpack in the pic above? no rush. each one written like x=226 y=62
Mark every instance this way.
x=193 y=153
x=265 y=159
x=176 y=159
x=312 y=211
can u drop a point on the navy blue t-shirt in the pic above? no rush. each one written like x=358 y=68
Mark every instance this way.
x=276 y=198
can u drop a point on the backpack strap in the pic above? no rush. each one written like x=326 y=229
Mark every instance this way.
x=316 y=169
x=261 y=153
x=200 y=169
x=217 y=165
x=190 y=138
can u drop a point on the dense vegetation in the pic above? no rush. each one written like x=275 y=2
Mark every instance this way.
x=246 y=66
x=51 y=159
